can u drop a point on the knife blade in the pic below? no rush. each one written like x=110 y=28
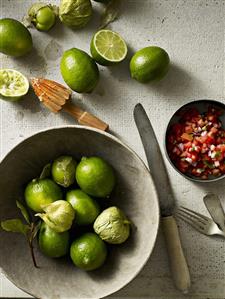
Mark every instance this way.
x=178 y=264
x=155 y=161
x=213 y=205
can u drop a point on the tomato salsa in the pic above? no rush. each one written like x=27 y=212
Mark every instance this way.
x=196 y=144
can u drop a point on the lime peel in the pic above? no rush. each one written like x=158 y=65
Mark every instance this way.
x=13 y=84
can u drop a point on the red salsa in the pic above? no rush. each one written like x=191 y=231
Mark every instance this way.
x=196 y=144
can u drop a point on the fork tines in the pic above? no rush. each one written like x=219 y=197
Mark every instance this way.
x=193 y=218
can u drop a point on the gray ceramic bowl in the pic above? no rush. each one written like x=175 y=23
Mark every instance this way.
x=134 y=193
x=202 y=107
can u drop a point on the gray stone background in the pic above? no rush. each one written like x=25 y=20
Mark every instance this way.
x=192 y=32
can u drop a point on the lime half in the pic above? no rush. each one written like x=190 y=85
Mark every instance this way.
x=108 y=47
x=13 y=85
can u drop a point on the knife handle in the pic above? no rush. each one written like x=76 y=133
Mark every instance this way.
x=178 y=264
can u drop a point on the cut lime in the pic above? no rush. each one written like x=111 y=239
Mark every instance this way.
x=108 y=47
x=13 y=85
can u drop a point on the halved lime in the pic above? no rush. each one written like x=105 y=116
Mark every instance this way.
x=13 y=85
x=108 y=47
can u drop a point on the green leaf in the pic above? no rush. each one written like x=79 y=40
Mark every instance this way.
x=110 y=13
x=36 y=229
x=46 y=171
x=23 y=211
x=15 y=226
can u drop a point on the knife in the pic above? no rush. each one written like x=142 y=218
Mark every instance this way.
x=178 y=264
x=213 y=205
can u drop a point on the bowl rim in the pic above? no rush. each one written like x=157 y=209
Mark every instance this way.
x=165 y=143
x=117 y=140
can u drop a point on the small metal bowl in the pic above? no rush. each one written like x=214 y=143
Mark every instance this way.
x=202 y=106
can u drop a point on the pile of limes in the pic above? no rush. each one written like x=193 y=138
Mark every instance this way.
x=72 y=191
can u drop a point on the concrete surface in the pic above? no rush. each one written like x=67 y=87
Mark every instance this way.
x=192 y=32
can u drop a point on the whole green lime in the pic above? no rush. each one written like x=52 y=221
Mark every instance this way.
x=40 y=192
x=79 y=70
x=149 y=64
x=15 y=38
x=88 y=252
x=95 y=176
x=51 y=243
x=63 y=170
x=86 y=208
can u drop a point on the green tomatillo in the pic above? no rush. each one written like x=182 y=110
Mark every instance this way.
x=112 y=226
x=58 y=215
x=63 y=170
x=75 y=13
x=43 y=16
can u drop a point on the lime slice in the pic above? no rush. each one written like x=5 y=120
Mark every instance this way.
x=108 y=47
x=13 y=85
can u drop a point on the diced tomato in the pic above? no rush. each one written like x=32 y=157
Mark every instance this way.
x=196 y=144
x=186 y=136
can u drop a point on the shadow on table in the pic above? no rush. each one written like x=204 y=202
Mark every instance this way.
x=177 y=82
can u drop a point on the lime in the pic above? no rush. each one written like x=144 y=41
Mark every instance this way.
x=149 y=64
x=13 y=85
x=79 y=70
x=15 y=38
x=108 y=47
x=51 y=243
x=63 y=171
x=40 y=192
x=95 y=176
x=86 y=208
x=88 y=252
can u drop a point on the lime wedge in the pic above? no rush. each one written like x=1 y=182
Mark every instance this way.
x=13 y=85
x=108 y=47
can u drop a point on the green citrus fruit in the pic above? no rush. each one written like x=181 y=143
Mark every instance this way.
x=149 y=64
x=79 y=70
x=108 y=47
x=51 y=243
x=63 y=171
x=95 y=176
x=88 y=252
x=86 y=208
x=13 y=85
x=40 y=192
x=15 y=38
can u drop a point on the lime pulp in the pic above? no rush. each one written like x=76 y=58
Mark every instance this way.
x=108 y=47
x=13 y=84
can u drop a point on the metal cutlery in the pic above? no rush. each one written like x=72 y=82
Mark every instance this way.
x=178 y=264
x=213 y=205
x=201 y=223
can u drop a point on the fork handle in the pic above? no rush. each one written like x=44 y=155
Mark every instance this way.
x=178 y=264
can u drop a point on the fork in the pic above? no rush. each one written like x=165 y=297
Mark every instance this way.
x=201 y=223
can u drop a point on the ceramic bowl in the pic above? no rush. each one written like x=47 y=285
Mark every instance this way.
x=134 y=193
x=202 y=107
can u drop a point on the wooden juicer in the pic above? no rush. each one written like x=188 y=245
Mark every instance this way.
x=56 y=97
